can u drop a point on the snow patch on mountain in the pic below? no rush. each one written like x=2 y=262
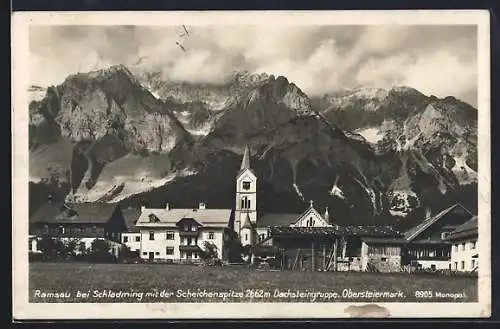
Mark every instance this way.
x=371 y=134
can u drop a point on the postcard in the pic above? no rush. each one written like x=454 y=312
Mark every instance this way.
x=251 y=165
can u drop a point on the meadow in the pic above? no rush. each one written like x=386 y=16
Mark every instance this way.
x=132 y=283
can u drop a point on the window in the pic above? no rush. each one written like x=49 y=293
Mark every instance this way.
x=170 y=250
x=473 y=263
x=46 y=228
x=462 y=265
x=186 y=228
x=195 y=255
x=157 y=253
x=125 y=239
x=310 y=222
x=189 y=241
x=61 y=229
x=246 y=185
x=433 y=267
x=211 y=235
x=383 y=259
x=170 y=235
x=463 y=246
x=245 y=203
x=182 y=239
x=444 y=235
x=138 y=238
x=151 y=235
x=456 y=266
x=94 y=228
x=193 y=228
x=246 y=237
x=145 y=253
x=473 y=245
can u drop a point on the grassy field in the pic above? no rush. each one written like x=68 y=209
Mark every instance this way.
x=106 y=283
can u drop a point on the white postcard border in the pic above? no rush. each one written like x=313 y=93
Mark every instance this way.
x=22 y=309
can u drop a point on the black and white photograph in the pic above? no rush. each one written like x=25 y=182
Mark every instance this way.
x=314 y=164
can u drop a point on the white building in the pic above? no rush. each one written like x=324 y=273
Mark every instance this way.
x=464 y=251
x=132 y=236
x=179 y=235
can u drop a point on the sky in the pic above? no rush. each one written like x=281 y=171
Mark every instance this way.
x=436 y=60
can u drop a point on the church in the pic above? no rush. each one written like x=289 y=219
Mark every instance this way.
x=254 y=228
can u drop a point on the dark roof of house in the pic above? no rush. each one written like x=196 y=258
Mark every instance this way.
x=131 y=215
x=269 y=220
x=384 y=240
x=337 y=230
x=415 y=231
x=81 y=213
x=47 y=211
x=465 y=230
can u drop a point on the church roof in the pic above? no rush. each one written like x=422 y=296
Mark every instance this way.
x=245 y=163
x=247 y=223
x=268 y=220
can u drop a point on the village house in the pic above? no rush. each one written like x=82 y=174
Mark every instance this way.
x=427 y=246
x=84 y=222
x=131 y=237
x=179 y=235
x=464 y=252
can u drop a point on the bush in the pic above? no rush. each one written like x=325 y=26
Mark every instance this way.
x=99 y=252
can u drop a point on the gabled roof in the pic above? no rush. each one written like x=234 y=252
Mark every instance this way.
x=170 y=217
x=307 y=211
x=415 y=231
x=465 y=230
x=47 y=212
x=131 y=215
x=81 y=213
x=277 y=219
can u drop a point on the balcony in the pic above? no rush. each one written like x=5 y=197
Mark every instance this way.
x=193 y=247
x=189 y=233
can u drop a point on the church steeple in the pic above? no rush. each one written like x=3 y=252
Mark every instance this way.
x=245 y=163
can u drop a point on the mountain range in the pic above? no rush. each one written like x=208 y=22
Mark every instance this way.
x=370 y=155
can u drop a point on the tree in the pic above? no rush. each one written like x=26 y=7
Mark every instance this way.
x=209 y=254
x=69 y=248
x=51 y=248
x=99 y=251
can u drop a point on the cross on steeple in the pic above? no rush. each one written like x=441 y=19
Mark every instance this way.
x=311 y=202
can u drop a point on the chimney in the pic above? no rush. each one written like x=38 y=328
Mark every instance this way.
x=202 y=205
x=167 y=207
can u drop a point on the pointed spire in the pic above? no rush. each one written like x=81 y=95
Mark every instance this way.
x=245 y=163
x=326 y=215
